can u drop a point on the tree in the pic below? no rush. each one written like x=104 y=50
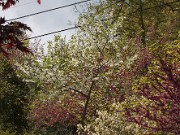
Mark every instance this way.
x=144 y=23
x=14 y=92
x=14 y=99
x=57 y=108
x=105 y=61
x=155 y=73
x=160 y=89
x=11 y=33
x=67 y=71
x=141 y=16
x=111 y=123
x=87 y=65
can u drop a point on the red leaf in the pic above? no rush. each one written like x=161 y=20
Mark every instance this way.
x=9 y=3
x=39 y=1
x=9 y=46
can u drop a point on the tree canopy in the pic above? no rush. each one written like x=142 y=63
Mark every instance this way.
x=118 y=74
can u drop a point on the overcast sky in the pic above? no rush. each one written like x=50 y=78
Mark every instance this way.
x=46 y=22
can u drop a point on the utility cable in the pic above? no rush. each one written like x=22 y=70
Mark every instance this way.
x=54 y=32
x=76 y=3
x=80 y=26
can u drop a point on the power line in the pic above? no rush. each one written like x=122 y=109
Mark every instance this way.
x=76 y=3
x=54 y=32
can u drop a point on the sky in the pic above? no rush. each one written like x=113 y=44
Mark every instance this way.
x=46 y=22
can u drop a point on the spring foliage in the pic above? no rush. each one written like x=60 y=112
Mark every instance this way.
x=119 y=74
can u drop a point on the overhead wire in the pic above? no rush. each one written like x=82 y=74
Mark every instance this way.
x=37 y=13
x=71 y=28
x=54 y=32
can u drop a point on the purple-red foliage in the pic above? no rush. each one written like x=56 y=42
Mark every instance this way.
x=65 y=113
x=164 y=93
x=8 y=3
x=11 y=33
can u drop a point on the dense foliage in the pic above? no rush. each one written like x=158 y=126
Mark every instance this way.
x=159 y=89
x=14 y=99
x=119 y=74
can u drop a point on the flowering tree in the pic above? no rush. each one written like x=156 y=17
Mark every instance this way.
x=159 y=89
x=110 y=123
x=112 y=58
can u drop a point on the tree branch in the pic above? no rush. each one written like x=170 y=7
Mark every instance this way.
x=78 y=92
